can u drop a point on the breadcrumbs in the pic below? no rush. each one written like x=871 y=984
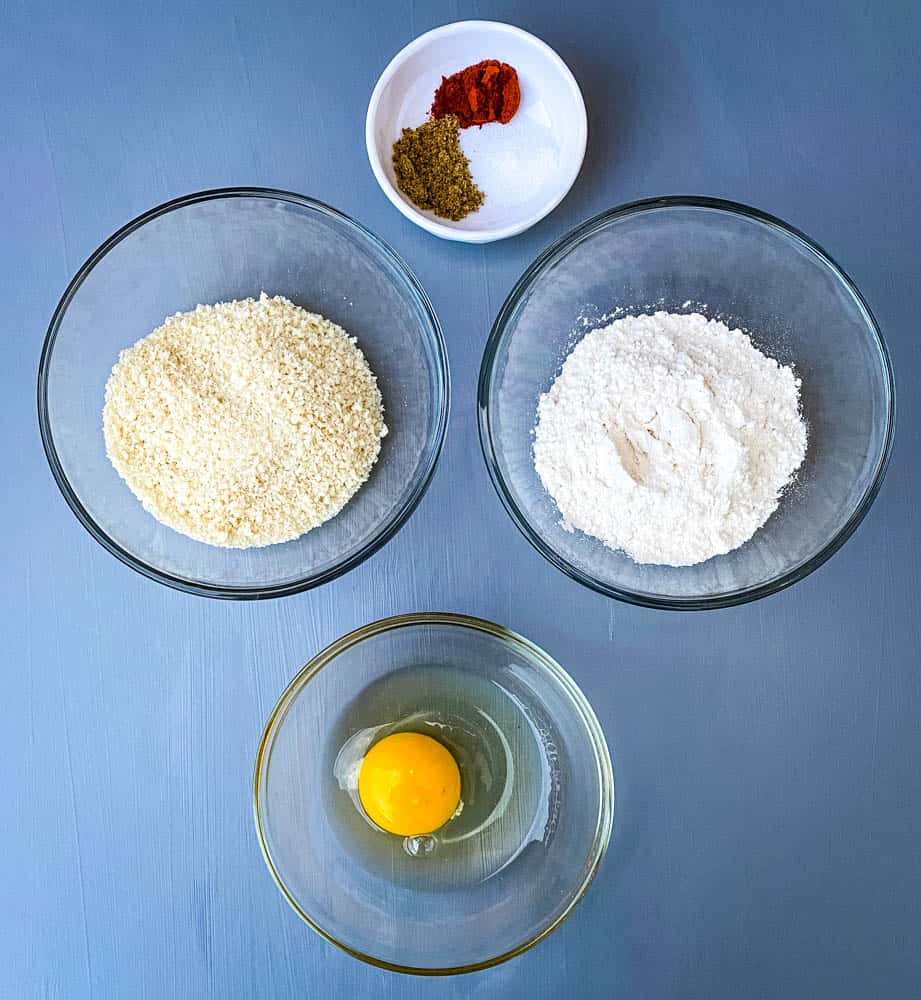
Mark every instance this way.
x=244 y=423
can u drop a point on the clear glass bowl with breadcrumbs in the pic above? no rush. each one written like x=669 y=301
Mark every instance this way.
x=755 y=273
x=218 y=246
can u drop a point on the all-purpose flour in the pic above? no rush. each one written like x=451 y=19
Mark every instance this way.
x=669 y=436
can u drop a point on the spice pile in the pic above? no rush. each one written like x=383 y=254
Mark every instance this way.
x=430 y=166
x=433 y=172
x=483 y=93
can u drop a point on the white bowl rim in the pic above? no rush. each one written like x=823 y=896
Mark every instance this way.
x=483 y=235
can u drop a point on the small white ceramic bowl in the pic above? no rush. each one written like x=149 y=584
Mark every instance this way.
x=526 y=167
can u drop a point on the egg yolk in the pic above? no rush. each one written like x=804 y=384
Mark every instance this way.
x=409 y=784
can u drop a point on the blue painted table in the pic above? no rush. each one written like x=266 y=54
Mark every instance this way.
x=767 y=757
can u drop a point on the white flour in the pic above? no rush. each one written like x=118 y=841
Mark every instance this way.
x=669 y=436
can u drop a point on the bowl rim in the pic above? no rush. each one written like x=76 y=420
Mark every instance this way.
x=483 y=234
x=556 y=251
x=384 y=533
x=605 y=820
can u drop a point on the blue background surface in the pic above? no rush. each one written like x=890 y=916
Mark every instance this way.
x=768 y=758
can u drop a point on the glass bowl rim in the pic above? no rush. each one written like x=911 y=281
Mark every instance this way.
x=383 y=534
x=536 y=655
x=559 y=249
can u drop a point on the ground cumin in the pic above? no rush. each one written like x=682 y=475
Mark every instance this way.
x=432 y=171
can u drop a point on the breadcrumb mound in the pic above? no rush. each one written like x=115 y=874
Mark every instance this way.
x=244 y=423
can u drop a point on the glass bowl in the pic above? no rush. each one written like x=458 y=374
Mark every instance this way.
x=229 y=244
x=468 y=904
x=754 y=272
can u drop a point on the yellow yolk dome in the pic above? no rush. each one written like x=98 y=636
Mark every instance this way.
x=409 y=784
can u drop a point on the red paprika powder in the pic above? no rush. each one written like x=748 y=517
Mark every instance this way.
x=486 y=92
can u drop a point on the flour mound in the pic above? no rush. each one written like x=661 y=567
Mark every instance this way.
x=669 y=437
x=244 y=423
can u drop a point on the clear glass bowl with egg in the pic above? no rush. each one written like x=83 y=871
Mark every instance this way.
x=753 y=272
x=517 y=851
x=217 y=246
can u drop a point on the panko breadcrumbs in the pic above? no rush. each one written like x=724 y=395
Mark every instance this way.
x=244 y=423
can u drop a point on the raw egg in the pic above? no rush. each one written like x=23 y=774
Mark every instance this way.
x=409 y=784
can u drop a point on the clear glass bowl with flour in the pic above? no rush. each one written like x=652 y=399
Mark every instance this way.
x=219 y=246
x=753 y=273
